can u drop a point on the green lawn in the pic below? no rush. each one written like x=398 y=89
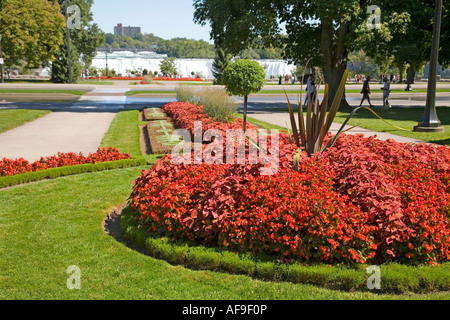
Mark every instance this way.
x=12 y=118
x=124 y=133
x=405 y=118
x=73 y=92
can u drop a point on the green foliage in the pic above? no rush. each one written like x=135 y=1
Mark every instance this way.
x=215 y=101
x=124 y=133
x=221 y=61
x=404 y=36
x=167 y=67
x=54 y=173
x=60 y=67
x=243 y=77
x=31 y=31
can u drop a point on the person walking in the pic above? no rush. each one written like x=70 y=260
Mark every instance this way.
x=366 y=92
x=293 y=79
x=386 y=90
x=311 y=92
x=308 y=88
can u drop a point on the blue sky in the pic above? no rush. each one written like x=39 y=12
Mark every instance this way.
x=164 y=18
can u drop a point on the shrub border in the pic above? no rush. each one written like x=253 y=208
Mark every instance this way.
x=53 y=173
x=395 y=278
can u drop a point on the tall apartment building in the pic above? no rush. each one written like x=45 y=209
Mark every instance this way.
x=120 y=30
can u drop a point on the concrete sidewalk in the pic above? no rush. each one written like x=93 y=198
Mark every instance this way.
x=56 y=132
x=283 y=120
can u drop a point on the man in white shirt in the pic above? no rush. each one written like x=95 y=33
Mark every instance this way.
x=386 y=90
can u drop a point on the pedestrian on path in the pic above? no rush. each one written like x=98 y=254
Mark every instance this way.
x=308 y=88
x=366 y=92
x=386 y=90
x=310 y=92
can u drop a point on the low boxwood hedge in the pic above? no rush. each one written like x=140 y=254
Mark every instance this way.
x=53 y=173
x=395 y=278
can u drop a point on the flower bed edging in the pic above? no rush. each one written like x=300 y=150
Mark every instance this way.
x=53 y=173
x=395 y=278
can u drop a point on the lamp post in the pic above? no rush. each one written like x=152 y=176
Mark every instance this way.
x=1 y=61
x=69 y=57
x=430 y=121
x=106 y=54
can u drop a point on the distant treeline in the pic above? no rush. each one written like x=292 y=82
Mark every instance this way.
x=181 y=47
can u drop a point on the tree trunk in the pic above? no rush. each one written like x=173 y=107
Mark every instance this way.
x=245 y=112
x=334 y=58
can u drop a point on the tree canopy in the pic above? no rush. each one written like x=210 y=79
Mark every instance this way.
x=323 y=32
x=167 y=67
x=242 y=78
x=31 y=31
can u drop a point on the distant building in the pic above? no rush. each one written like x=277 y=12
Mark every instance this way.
x=120 y=30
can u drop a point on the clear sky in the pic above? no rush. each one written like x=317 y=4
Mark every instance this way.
x=164 y=18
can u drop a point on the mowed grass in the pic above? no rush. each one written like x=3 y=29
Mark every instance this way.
x=13 y=118
x=405 y=118
x=72 y=92
x=51 y=225
x=124 y=133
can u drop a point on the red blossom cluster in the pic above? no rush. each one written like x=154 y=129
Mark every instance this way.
x=363 y=200
x=118 y=78
x=176 y=79
x=9 y=167
x=185 y=114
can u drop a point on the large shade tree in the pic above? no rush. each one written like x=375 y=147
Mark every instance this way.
x=404 y=36
x=320 y=32
x=31 y=31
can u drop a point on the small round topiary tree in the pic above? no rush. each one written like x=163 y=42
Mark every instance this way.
x=242 y=78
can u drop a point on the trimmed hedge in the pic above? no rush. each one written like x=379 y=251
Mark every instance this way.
x=395 y=278
x=53 y=173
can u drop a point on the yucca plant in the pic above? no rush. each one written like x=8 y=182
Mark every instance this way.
x=313 y=127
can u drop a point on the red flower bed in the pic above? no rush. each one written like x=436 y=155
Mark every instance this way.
x=363 y=201
x=185 y=114
x=9 y=167
x=176 y=79
x=118 y=78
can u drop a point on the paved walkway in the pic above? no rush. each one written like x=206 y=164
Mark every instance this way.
x=78 y=128
x=56 y=132
x=283 y=120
